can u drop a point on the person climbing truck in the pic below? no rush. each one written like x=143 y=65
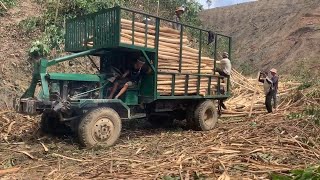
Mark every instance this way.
x=224 y=71
x=130 y=78
x=270 y=81
x=225 y=65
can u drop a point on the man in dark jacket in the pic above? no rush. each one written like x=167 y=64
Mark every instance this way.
x=270 y=88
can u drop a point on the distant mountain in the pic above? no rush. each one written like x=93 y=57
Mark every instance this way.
x=270 y=33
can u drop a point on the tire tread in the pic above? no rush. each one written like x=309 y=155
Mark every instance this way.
x=90 y=116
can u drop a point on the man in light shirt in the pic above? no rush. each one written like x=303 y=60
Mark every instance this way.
x=270 y=82
x=225 y=65
x=224 y=71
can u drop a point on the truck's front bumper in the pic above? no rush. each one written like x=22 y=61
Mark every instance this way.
x=27 y=106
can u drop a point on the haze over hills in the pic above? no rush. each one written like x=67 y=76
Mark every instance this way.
x=270 y=33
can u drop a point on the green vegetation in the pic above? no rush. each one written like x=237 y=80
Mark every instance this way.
x=194 y=176
x=248 y=68
x=39 y=49
x=30 y=24
x=311 y=173
x=53 y=20
x=8 y=4
x=306 y=72
x=311 y=113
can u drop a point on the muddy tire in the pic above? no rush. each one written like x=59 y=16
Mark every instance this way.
x=99 y=126
x=50 y=124
x=206 y=115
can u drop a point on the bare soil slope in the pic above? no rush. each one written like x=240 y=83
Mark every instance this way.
x=268 y=33
x=13 y=51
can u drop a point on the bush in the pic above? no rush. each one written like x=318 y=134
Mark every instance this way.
x=310 y=112
x=248 y=68
x=54 y=36
x=30 y=24
x=312 y=173
x=39 y=49
x=8 y=4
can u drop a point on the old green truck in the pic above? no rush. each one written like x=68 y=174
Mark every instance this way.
x=80 y=101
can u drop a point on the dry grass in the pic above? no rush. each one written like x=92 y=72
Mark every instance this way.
x=242 y=147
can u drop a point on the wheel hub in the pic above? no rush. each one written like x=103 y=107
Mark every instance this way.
x=103 y=129
x=208 y=115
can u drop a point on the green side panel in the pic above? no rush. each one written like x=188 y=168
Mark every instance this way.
x=107 y=25
x=194 y=97
x=74 y=77
x=146 y=88
x=82 y=102
x=76 y=34
x=131 y=97
x=100 y=29
x=116 y=104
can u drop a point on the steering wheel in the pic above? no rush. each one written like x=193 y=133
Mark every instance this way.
x=116 y=71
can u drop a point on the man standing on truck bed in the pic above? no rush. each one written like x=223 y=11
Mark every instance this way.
x=176 y=18
x=270 y=88
x=130 y=78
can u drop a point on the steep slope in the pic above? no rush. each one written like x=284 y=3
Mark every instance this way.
x=268 y=33
x=13 y=51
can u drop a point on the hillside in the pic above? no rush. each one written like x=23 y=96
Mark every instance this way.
x=270 y=33
x=15 y=69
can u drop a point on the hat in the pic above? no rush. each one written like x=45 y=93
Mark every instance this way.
x=180 y=9
x=225 y=54
x=146 y=19
x=141 y=60
x=273 y=70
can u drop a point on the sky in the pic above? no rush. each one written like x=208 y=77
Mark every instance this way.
x=220 y=3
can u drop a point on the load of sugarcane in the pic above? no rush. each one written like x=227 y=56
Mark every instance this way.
x=169 y=58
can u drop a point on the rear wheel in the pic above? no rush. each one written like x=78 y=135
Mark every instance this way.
x=205 y=115
x=99 y=126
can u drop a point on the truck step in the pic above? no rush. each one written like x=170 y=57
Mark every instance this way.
x=138 y=116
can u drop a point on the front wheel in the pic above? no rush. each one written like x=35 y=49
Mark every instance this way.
x=99 y=126
x=206 y=115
